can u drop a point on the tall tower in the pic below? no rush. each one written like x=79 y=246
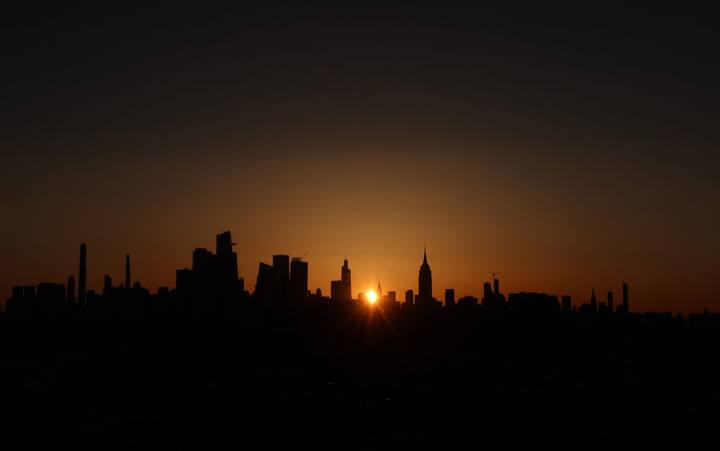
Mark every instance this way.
x=82 y=274
x=227 y=259
x=593 y=301
x=281 y=276
x=298 y=278
x=345 y=279
x=127 y=271
x=425 y=281
x=610 y=301
x=625 y=300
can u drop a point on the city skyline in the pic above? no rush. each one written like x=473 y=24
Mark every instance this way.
x=359 y=226
x=212 y=274
x=566 y=149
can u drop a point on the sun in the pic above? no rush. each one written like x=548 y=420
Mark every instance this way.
x=371 y=296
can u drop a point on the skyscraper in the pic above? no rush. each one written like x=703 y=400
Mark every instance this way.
x=625 y=299
x=610 y=302
x=593 y=302
x=281 y=268
x=425 y=281
x=107 y=285
x=263 y=285
x=566 y=303
x=298 y=278
x=449 y=297
x=341 y=290
x=409 y=298
x=127 y=271
x=345 y=279
x=227 y=266
x=281 y=276
x=82 y=274
x=336 y=290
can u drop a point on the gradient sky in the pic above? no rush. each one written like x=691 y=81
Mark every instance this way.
x=565 y=149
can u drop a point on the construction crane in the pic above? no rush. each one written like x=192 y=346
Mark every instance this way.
x=303 y=256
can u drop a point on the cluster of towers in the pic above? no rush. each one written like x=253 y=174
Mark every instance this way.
x=212 y=285
x=606 y=307
x=285 y=279
x=50 y=299
x=212 y=282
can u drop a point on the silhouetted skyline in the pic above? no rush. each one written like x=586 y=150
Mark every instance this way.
x=213 y=287
x=567 y=148
x=396 y=225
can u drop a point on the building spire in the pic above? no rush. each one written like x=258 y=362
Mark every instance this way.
x=425 y=255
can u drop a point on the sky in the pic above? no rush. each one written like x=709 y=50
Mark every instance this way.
x=566 y=149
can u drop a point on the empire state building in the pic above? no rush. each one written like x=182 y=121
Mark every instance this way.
x=425 y=282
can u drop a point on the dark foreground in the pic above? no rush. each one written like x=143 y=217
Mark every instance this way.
x=354 y=380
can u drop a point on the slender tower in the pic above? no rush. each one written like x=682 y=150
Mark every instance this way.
x=127 y=271
x=625 y=300
x=425 y=281
x=345 y=278
x=82 y=274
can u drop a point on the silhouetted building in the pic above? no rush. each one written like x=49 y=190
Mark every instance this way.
x=298 y=278
x=82 y=274
x=566 y=304
x=425 y=283
x=263 y=285
x=625 y=298
x=409 y=298
x=449 y=297
x=336 y=290
x=226 y=258
x=391 y=297
x=492 y=299
x=127 y=271
x=183 y=280
x=54 y=292
x=610 y=303
x=71 y=288
x=593 y=302
x=487 y=292
x=107 y=285
x=18 y=291
x=533 y=303
x=281 y=276
x=212 y=286
x=341 y=290
x=467 y=302
x=346 y=278
x=202 y=260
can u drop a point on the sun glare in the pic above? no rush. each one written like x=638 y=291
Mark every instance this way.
x=371 y=296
